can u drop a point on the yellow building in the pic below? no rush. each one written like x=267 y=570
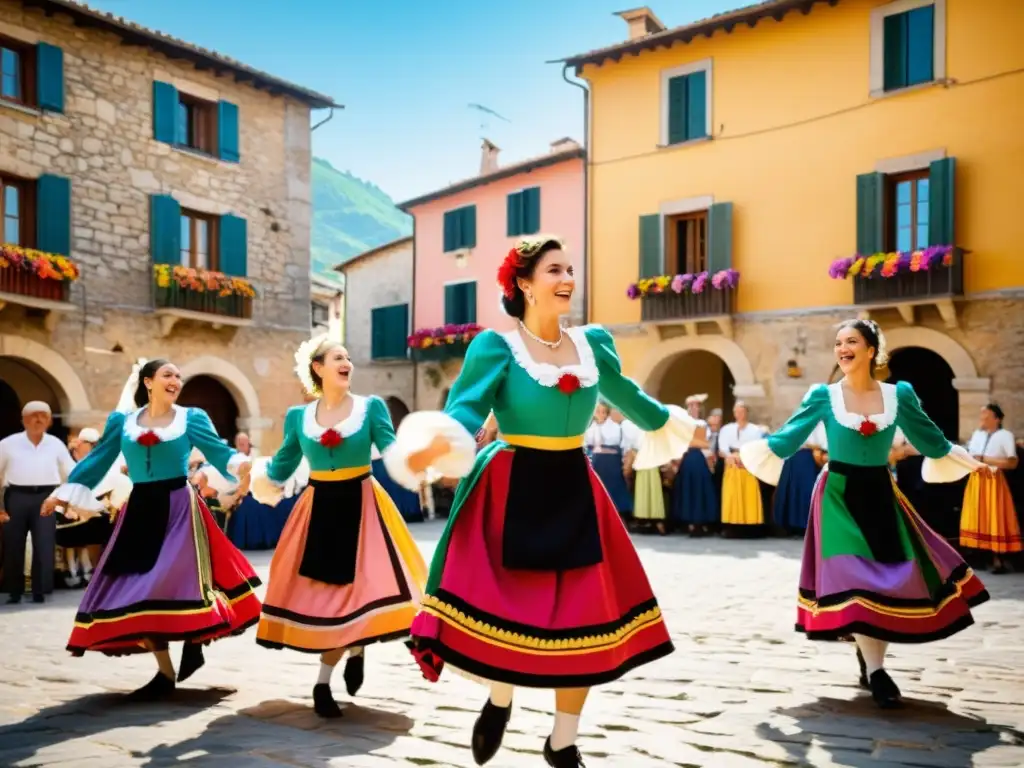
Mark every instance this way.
x=779 y=138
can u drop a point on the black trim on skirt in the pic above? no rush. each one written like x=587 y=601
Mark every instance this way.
x=332 y=537
x=147 y=514
x=550 y=514
x=871 y=502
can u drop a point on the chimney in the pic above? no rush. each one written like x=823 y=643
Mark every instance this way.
x=564 y=145
x=488 y=157
x=642 y=22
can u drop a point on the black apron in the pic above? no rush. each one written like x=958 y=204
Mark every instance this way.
x=140 y=538
x=332 y=538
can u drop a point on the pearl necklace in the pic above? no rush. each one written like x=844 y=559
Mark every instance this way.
x=539 y=340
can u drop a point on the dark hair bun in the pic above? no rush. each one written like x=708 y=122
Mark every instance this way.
x=148 y=371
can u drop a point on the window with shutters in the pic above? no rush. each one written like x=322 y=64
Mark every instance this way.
x=686 y=103
x=16 y=204
x=908 y=44
x=460 y=303
x=321 y=314
x=199 y=240
x=389 y=332
x=460 y=228
x=524 y=212
x=906 y=210
x=197 y=124
x=17 y=72
x=686 y=243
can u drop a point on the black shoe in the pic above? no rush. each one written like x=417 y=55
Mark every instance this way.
x=13 y=599
x=38 y=599
x=569 y=757
x=324 y=703
x=354 y=674
x=884 y=691
x=160 y=687
x=489 y=730
x=863 y=672
x=192 y=660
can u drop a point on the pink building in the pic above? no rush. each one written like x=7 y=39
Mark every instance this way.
x=462 y=233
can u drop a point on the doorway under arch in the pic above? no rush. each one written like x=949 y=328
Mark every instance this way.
x=21 y=382
x=208 y=393
x=697 y=372
x=932 y=378
x=398 y=409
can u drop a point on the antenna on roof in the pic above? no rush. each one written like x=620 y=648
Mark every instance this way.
x=485 y=114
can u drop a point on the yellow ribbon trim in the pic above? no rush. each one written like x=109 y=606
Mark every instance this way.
x=516 y=641
x=540 y=443
x=345 y=473
x=813 y=607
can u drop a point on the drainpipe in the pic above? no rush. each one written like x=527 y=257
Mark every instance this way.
x=586 y=190
x=412 y=323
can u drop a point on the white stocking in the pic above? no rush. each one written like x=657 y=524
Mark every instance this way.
x=69 y=558
x=501 y=695
x=86 y=562
x=873 y=651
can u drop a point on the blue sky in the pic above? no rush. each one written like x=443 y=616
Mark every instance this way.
x=406 y=71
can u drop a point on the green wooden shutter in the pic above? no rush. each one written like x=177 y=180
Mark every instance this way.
x=165 y=113
x=921 y=45
x=469 y=227
x=894 y=33
x=164 y=229
x=227 y=131
x=870 y=213
x=696 y=105
x=378 y=339
x=531 y=211
x=394 y=331
x=53 y=214
x=234 y=246
x=514 y=207
x=942 y=202
x=677 y=110
x=449 y=231
x=650 y=245
x=451 y=304
x=719 y=237
x=50 y=77
x=468 y=303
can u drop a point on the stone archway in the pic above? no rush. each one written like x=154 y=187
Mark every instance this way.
x=237 y=383
x=75 y=409
x=658 y=359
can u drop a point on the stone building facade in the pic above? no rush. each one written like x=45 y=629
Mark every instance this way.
x=378 y=308
x=142 y=131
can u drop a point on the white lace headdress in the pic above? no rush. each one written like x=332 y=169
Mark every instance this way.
x=304 y=358
x=126 y=403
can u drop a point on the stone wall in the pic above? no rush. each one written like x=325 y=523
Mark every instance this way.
x=103 y=143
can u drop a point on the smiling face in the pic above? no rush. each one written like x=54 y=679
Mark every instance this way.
x=852 y=351
x=36 y=423
x=165 y=385
x=334 y=370
x=552 y=283
x=988 y=421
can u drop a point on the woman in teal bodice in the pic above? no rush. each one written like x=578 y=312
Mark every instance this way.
x=535 y=581
x=345 y=573
x=168 y=572
x=872 y=568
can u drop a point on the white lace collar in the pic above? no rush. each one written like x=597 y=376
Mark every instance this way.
x=346 y=427
x=890 y=404
x=548 y=374
x=172 y=431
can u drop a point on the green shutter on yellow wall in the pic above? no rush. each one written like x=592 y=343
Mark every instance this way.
x=870 y=213
x=719 y=237
x=942 y=202
x=650 y=245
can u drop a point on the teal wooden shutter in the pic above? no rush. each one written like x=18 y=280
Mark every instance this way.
x=719 y=237
x=50 y=77
x=53 y=214
x=531 y=211
x=164 y=229
x=650 y=245
x=894 y=33
x=870 y=213
x=468 y=303
x=696 y=105
x=234 y=246
x=400 y=331
x=514 y=208
x=920 y=45
x=677 y=110
x=451 y=304
x=378 y=338
x=227 y=131
x=165 y=113
x=468 y=227
x=449 y=231
x=942 y=202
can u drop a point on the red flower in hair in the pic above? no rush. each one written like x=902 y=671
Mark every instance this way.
x=148 y=439
x=330 y=439
x=507 y=274
x=567 y=383
x=868 y=428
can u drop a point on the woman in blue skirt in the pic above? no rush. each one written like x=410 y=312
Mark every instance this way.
x=799 y=473
x=694 y=497
x=606 y=443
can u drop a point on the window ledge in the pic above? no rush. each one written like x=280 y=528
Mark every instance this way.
x=169 y=317
x=21 y=108
x=882 y=94
x=52 y=307
x=687 y=143
x=212 y=160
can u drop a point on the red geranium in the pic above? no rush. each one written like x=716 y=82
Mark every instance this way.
x=148 y=439
x=331 y=439
x=868 y=428
x=567 y=384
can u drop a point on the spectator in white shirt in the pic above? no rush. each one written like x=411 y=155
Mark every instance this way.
x=32 y=464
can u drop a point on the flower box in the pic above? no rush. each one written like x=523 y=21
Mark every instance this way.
x=198 y=290
x=36 y=274
x=689 y=296
x=934 y=272
x=444 y=343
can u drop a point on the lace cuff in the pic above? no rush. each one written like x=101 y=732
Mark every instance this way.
x=668 y=443
x=415 y=434
x=77 y=496
x=261 y=486
x=761 y=461
x=953 y=466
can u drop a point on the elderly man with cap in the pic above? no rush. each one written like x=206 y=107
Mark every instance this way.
x=32 y=464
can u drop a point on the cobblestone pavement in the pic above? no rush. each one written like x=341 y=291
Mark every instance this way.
x=741 y=691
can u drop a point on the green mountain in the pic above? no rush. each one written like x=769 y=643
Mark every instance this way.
x=349 y=216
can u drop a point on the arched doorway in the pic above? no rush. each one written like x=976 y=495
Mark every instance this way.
x=21 y=382
x=213 y=397
x=399 y=410
x=932 y=379
x=698 y=372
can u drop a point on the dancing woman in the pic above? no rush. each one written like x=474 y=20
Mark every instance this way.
x=871 y=566
x=168 y=573
x=535 y=581
x=346 y=572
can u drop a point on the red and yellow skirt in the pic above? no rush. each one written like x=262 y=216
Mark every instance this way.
x=988 y=519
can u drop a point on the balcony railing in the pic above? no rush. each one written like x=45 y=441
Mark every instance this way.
x=176 y=297
x=181 y=293
x=655 y=307
x=941 y=281
x=30 y=285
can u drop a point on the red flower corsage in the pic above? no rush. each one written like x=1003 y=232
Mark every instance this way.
x=567 y=383
x=867 y=428
x=148 y=439
x=507 y=273
x=331 y=439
